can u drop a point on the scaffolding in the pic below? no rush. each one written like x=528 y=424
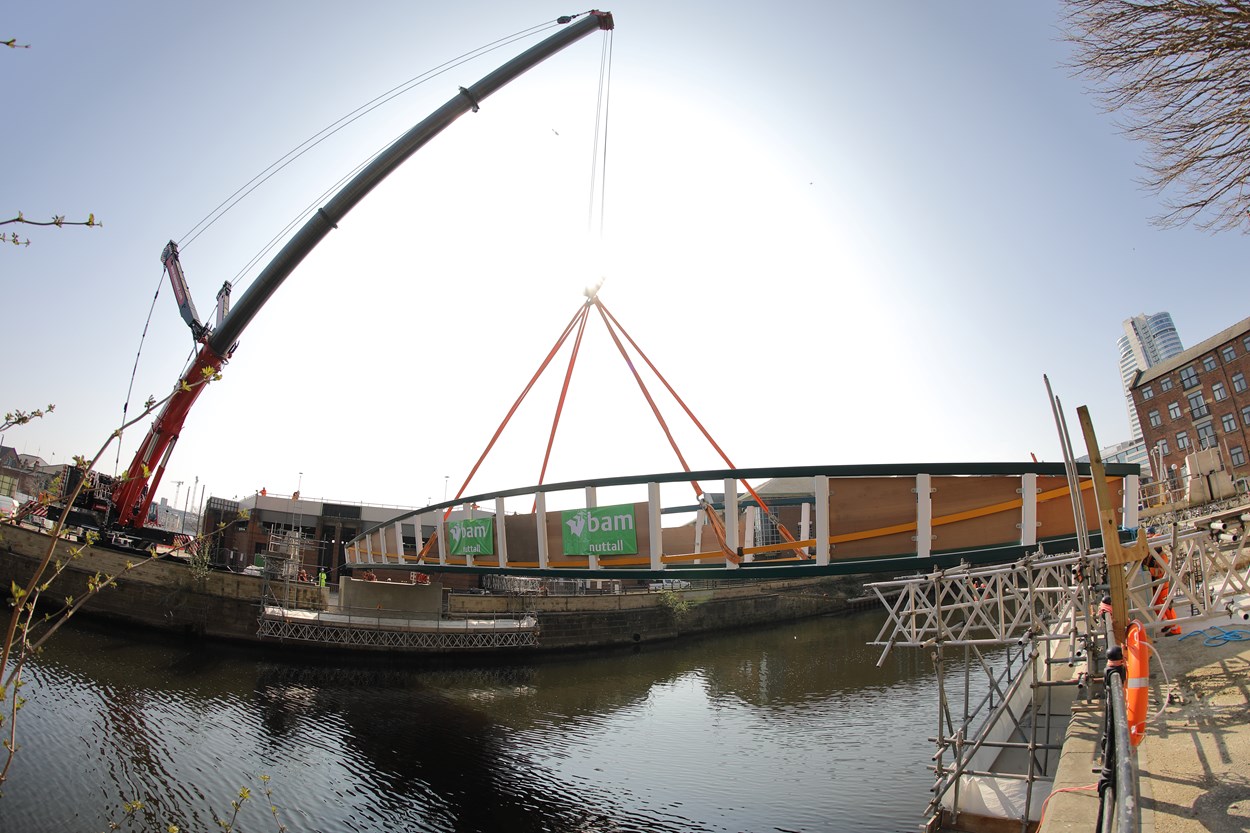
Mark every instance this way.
x=1015 y=645
x=284 y=558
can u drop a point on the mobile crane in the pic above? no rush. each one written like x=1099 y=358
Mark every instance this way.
x=130 y=497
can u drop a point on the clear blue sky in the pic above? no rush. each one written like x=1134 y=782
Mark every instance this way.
x=847 y=232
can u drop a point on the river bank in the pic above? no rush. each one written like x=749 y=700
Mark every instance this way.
x=167 y=595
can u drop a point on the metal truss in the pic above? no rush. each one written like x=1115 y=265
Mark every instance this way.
x=1196 y=575
x=361 y=635
x=995 y=605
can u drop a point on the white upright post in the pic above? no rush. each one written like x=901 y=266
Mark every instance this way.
x=731 y=519
x=540 y=510
x=822 y=520
x=654 y=528
x=1132 y=499
x=399 y=543
x=442 y=542
x=805 y=523
x=700 y=520
x=924 y=516
x=1028 y=509
x=501 y=533
x=592 y=502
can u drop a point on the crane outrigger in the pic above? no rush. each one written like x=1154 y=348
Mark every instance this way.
x=132 y=495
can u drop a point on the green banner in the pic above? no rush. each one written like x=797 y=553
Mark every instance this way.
x=472 y=536
x=604 y=530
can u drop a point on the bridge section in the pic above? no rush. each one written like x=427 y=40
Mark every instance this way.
x=800 y=521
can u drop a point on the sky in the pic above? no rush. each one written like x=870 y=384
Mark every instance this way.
x=845 y=232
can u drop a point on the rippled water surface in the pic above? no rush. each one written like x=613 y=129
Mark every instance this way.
x=792 y=728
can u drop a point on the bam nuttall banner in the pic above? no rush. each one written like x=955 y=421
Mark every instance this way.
x=471 y=536
x=604 y=530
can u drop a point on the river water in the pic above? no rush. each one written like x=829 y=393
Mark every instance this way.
x=789 y=728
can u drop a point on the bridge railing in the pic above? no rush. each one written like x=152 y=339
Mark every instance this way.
x=797 y=520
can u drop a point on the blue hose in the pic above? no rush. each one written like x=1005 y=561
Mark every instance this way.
x=1218 y=635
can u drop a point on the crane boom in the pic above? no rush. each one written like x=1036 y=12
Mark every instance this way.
x=132 y=497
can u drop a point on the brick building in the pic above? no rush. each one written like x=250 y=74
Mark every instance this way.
x=1198 y=400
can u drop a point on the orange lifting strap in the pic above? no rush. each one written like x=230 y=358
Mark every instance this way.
x=613 y=327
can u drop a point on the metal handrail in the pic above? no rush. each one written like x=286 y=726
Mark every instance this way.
x=1119 y=770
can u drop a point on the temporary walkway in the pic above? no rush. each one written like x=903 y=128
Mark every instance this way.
x=1019 y=648
x=391 y=630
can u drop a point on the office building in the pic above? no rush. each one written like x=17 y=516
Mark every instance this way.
x=1147 y=341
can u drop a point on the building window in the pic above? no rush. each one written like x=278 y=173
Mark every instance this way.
x=1208 y=363
x=1245 y=415
x=1238 y=455
x=1218 y=393
x=1155 y=419
x=1206 y=436
x=1229 y=422
x=1246 y=343
x=1239 y=382
x=1165 y=384
x=1197 y=406
x=1163 y=448
x=1174 y=410
x=1228 y=353
x=1182 y=440
x=1189 y=378
x=1147 y=392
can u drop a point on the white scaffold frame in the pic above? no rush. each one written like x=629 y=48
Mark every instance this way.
x=1043 y=611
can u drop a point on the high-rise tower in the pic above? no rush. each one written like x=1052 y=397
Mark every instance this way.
x=1147 y=340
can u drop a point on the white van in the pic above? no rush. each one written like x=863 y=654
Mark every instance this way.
x=8 y=506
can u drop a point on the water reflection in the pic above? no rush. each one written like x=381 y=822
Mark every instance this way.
x=788 y=728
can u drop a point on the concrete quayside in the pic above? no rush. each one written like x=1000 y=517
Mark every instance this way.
x=359 y=616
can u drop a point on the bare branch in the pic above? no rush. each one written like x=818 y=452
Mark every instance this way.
x=1178 y=71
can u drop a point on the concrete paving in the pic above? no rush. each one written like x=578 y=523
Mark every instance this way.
x=1195 y=759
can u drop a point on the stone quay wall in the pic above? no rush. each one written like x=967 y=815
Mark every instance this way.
x=167 y=595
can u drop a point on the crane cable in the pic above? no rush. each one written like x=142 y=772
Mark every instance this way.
x=781 y=528
x=134 y=371
x=541 y=368
x=295 y=153
x=598 y=176
x=334 y=127
x=698 y=490
x=564 y=390
x=596 y=182
x=714 y=520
